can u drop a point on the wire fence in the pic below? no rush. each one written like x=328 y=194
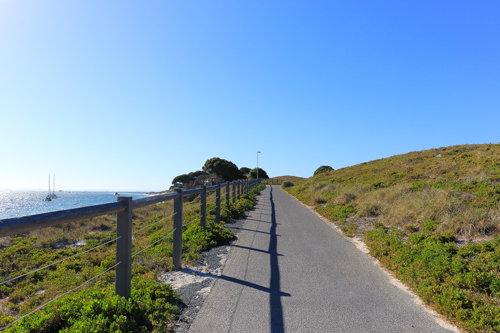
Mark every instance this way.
x=123 y=239
x=152 y=224
x=150 y=245
x=57 y=297
x=192 y=207
x=57 y=262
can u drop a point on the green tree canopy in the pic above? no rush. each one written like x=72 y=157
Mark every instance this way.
x=222 y=168
x=262 y=174
x=184 y=179
x=196 y=174
x=323 y=168
x=245 y=171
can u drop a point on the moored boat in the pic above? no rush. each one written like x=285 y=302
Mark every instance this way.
x=48 y=197
x=53 y=194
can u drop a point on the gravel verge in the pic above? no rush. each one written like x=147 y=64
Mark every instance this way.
x=194 y=283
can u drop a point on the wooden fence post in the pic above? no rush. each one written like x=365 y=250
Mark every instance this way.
x=234 y=192
x=124 y=249
x=177 y=248
x=238 y=189
x=217 y=204
x=203 y=212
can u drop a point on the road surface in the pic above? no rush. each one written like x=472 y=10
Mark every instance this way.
x=291 y=272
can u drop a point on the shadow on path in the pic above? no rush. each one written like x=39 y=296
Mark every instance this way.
x=253 y=249
x=276 y=308
x=261 y=232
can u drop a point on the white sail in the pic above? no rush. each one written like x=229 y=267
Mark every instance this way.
x=53 y=194
x=48 y=197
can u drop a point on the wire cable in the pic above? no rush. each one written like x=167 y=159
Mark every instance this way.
x=193 y=220
x=212 y=209
x=163 y=219
x=75 y=255
x=41 y=306
x=147 y=247
x=191 y=207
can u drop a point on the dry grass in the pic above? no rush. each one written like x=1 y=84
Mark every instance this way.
x=285 y=178
x=406 y=190
x=68 y=233
x=453 y=163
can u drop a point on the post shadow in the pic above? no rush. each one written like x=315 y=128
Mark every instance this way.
x=276 y=308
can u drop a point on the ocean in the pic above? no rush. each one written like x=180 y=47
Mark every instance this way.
x=22 y=203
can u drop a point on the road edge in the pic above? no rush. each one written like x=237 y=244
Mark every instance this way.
x=361 y=246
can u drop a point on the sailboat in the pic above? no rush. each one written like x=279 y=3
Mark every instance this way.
x=53 y=194
x=48 y=197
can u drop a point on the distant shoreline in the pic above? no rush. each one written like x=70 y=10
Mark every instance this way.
x=87 y=191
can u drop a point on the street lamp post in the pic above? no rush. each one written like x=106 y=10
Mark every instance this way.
x=258 y=164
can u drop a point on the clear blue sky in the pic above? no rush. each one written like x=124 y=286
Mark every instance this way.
x=125 y=95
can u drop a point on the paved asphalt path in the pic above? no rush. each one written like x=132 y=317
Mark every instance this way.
x=290 y=272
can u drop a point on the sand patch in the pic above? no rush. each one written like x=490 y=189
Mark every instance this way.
x=194 y=274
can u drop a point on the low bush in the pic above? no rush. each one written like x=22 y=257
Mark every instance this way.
x=150 y=308
x=350 y=230
x=94 y=307
x=336 y=213
x=429 y=226
x=462 y=283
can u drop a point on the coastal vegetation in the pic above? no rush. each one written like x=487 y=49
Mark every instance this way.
x=253 y=174
x=221 y=168
x=323 y=168
x=431 y=217
x=281 y=179
x=245 y=171
x=216 y=171
x=93 y=307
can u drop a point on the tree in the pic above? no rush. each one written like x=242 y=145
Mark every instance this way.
x=184 y=179
x=196 y=174
x=221 y=168
x=262 y=174
x=245 y=171
x=323 y=168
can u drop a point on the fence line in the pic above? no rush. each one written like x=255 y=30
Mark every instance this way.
x=57 y=262
x=192 y=207
x=149 y=225
x=147 y=247
x=124 y=208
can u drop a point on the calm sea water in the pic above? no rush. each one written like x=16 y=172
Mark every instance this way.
x=22 y=203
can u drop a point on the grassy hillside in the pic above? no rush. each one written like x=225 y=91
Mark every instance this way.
x=431 y=217
x=457 y=186
x=455 y=163
x=281 y=179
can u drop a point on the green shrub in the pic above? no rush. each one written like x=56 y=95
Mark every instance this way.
x=337 y=213
x=95 y=308
x=461 y=283
x=100 y=310
x=286 y=184
x=429 y=226
x=322 y=169
x=350 y=230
